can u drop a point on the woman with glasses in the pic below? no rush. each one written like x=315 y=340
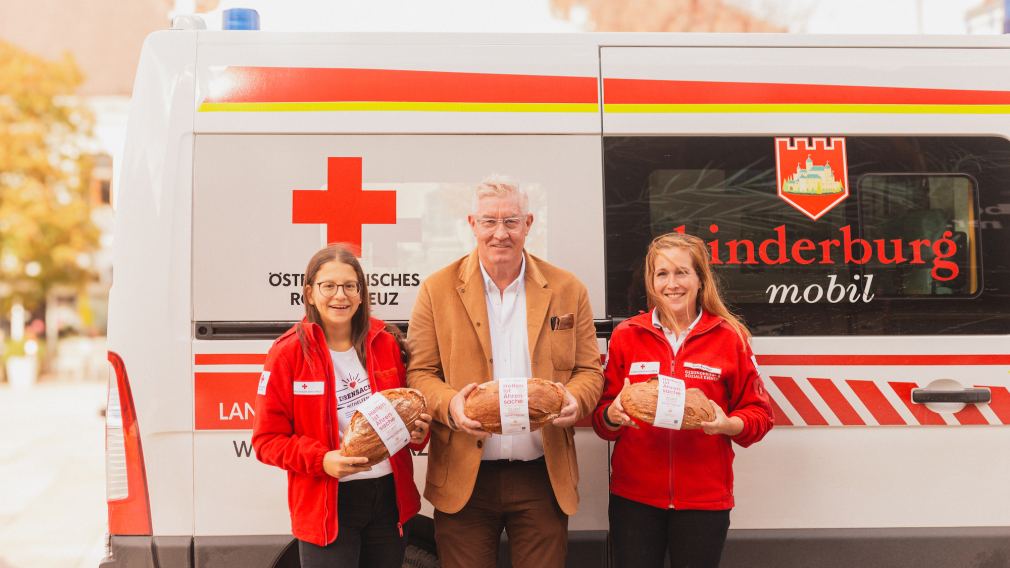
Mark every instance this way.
x=343 y=513
x=671 y=491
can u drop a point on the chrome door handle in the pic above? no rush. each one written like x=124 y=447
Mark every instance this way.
x=964 y=396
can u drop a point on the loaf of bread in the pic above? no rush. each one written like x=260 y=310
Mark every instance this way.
x=361 y=440
x=639 y=401
x=545 y=401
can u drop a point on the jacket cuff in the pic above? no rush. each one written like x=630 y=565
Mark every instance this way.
x=316 y=467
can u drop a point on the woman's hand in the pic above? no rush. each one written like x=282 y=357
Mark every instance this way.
x=616 y=413
x=420 y=429
x=337 y=465
x=722 y=424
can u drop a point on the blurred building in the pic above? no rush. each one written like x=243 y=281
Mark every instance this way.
x=663 y=16
x=986 y=18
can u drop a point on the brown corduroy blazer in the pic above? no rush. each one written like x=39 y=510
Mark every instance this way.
x=451 y=347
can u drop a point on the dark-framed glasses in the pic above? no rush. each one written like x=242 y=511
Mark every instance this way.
x=329 y=289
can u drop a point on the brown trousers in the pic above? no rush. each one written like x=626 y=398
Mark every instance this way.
x=517 y=497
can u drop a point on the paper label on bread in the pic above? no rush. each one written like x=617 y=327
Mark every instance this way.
x=361 y=438
x=544 y=402
x=513 y=404
x=386 y=422
x=641 y=399
x=670 y=403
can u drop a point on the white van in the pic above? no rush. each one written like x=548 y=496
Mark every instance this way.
x=854 y=191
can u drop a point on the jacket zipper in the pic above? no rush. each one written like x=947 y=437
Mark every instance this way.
x=327 y=389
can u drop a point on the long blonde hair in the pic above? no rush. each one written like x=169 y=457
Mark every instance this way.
x=709 y=298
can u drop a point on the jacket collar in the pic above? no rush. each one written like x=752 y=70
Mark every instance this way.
x=471 y=292
x=645 y=320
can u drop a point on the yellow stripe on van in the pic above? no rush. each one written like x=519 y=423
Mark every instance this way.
x=398 y=106
x=805 y=108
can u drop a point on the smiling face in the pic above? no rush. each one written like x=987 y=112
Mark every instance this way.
x=500 y=246
x=675 y=284
x=336 y=311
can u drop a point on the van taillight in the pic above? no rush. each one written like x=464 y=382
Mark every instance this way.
x=125 y=477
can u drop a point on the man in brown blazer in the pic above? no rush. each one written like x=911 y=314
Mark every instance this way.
x=501 y=312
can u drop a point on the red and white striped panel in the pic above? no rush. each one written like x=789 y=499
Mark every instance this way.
x=224 y=389
x=819 y=401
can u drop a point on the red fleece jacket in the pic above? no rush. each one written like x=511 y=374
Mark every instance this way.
x=295 y=432
x=672 y=468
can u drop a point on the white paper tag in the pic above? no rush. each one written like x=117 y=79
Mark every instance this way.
x=644 y=368
x=670 y=406
x=514 y=404
x=386 y=422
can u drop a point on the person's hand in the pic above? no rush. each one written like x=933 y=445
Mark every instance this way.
x=420 y=429
x=616 y=413
x=456 y=412
x=722 y=424
x=569 y=412
x=338 y=465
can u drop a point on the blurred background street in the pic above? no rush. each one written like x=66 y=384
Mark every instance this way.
x=52 y=470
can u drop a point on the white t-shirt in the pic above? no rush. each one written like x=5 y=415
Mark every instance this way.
x=353 y=389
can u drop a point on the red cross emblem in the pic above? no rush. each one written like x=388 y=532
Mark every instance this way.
x=304 y=386
x=343 y=206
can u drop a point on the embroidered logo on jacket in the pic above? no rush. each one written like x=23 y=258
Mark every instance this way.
x=308 y=387
x=703 y=372
x=264 y=379
x=644 y=368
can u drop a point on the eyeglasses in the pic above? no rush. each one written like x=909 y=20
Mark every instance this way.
x=329 y=289
x=489 y=224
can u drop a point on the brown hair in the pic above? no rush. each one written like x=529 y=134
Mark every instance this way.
x=361 y=320
x=708 y=294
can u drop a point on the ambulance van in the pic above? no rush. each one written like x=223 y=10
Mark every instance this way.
x=854 y=193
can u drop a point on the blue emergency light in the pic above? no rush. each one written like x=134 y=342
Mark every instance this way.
x=240 y=19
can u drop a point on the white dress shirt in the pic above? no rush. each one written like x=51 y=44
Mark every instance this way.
x=672 y=337
x=510 y=353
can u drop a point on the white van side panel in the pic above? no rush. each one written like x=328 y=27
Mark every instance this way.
x=150 y=301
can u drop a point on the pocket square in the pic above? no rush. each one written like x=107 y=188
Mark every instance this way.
x=559 y=323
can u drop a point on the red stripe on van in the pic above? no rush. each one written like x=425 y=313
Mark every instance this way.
x=651 y=91
x=869 y=360
x=971 y=415
x=305 y=84
x=924 y=415
x=800 y=402
x=229 y=358
x=836 y=401
x=876 y=403
x=780 y=417
x=1000 y=403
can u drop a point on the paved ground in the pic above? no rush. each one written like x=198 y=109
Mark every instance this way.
x=52 y=476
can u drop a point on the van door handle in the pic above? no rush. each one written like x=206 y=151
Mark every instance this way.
x=964 y=396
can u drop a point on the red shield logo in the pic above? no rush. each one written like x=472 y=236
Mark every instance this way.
x=813 y=174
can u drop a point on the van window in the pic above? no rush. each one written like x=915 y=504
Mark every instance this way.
x=914 y=247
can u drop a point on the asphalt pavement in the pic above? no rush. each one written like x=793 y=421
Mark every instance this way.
x=52 y=475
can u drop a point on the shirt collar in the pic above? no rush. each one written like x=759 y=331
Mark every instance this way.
x=489 y=283
x=658 y=325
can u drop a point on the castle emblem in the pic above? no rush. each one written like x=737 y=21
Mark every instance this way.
x=812 y=173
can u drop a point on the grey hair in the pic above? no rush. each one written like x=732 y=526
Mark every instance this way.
x=500 y=186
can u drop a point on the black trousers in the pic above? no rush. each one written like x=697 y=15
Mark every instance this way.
x=642 y=535
x=368 y=534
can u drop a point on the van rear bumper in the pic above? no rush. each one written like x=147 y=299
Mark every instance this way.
x=944 y=547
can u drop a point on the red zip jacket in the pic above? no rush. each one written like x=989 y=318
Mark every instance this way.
x=672 y=468
x=295 y=432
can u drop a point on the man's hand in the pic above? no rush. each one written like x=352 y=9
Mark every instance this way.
x=615 y=412
x=420 y=429
x=722 y=424
x=456 y=412
x=337 y=465
x=569 y=412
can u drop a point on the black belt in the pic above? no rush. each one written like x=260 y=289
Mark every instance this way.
x=502 y=463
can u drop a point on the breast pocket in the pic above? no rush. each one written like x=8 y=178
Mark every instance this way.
x=563 y=349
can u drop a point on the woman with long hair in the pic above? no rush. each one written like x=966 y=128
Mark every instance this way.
x=343 y=512
x=671 y=491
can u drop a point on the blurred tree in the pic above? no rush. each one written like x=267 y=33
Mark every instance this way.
x=46 y=232
x=664 y=16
